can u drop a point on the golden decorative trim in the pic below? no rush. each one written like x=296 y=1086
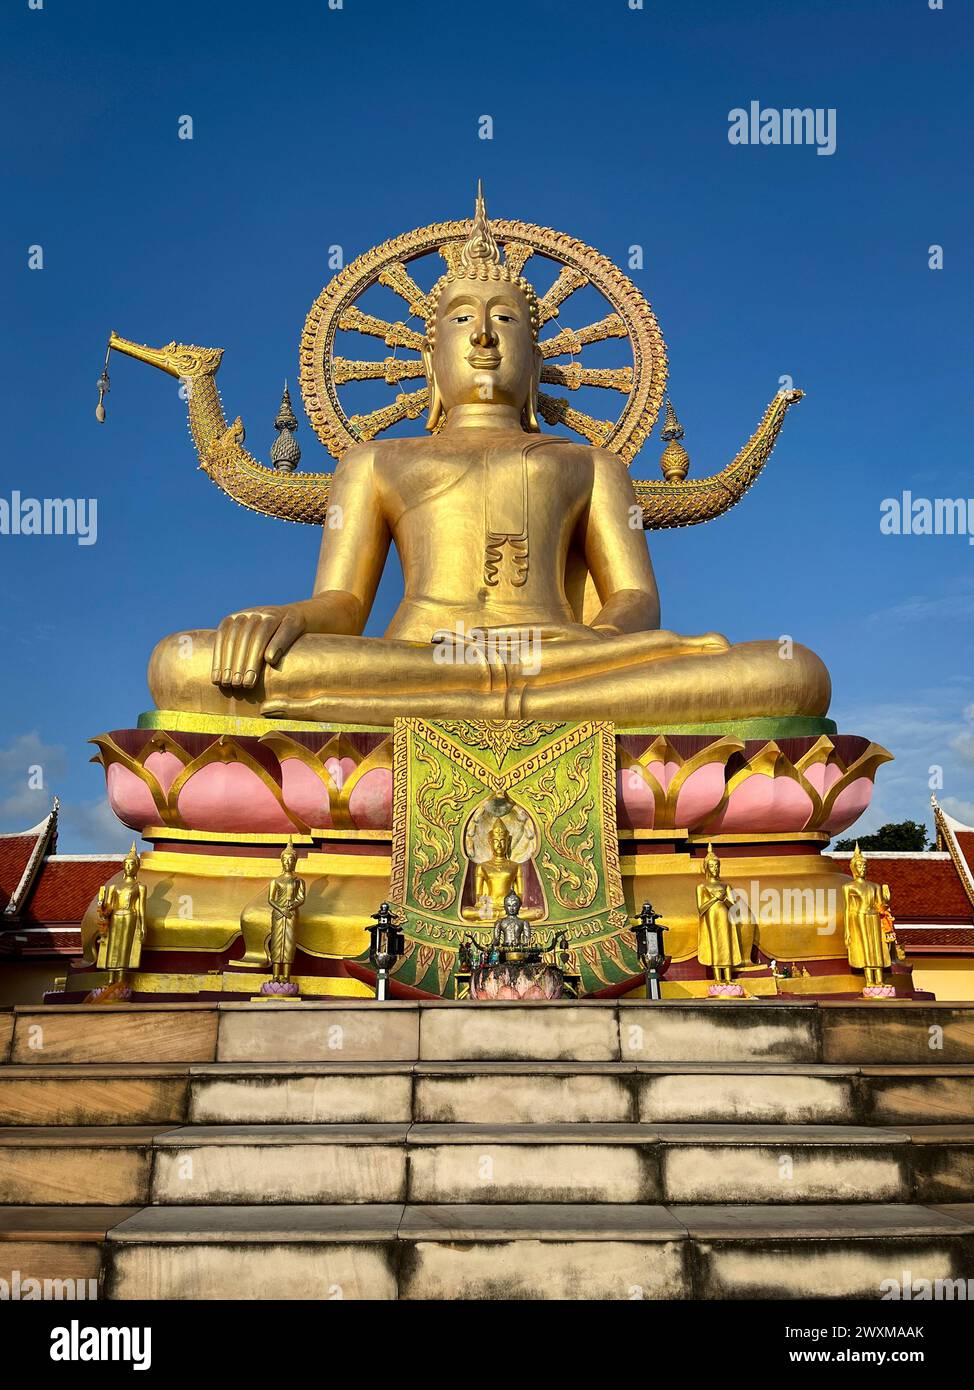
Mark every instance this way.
x=183 y=722
x=226 y=837
x=632 y=317
x=245 y=983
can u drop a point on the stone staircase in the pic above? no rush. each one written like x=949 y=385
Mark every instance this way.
x=349 y=1149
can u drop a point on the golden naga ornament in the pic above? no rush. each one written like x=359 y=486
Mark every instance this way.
x=304 y=496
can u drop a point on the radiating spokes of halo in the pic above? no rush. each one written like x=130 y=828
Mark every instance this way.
x=571 y=375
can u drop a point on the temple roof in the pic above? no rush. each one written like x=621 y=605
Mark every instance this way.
x=931 y=891
x=21 y=855
x=44 y=895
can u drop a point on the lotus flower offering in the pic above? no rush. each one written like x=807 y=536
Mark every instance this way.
x=514 y=965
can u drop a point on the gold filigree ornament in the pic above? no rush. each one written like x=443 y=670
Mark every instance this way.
x=629 y=316
x=304 y=496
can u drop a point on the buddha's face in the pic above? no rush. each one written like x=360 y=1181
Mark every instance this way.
x=483 y=348
x=500 y=840
x=131 y=865
x=288 y=861
x=711 y=866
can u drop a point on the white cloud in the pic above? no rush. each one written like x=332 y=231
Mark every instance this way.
x=27 y=751
x=91 y=828
x=30 y=770
x=926 y=733
x=960 y=810
x=959 y=603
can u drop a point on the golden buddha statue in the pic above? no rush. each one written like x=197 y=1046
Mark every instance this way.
x=495 y=878
x=121 y=910
x=719 y=933
x=868 y=922
x=285 y=896
x=530 y=541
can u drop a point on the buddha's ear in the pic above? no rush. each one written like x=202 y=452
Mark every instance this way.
x=436 y=403
x=529 y=415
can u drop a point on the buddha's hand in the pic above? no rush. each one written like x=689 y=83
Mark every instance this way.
x=247 y=641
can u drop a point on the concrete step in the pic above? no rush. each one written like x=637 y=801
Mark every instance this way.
x=133 y=1093
x=534 y=1251
x=54 y=1252
x=486 y=1092
x=360 y=1030
x=457 y=1164
x=68 y=1166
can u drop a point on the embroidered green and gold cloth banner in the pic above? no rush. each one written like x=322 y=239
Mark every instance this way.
x=551 y=787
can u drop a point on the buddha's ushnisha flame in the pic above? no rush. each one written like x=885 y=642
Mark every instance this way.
x=480 y=259
x=481 y=246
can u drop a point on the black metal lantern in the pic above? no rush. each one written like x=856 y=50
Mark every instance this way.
x=648 y=931
x=387 y=944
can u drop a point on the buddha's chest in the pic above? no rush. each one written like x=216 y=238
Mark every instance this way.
x=496 y=488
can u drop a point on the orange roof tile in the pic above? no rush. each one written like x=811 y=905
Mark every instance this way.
x=923 y=887
x=15 y=852
x=64 y=887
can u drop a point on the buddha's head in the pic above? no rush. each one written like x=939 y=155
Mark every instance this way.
x=500 y=840
x=711 y=864
x=289 y=858
x=481 y=345
x=858 y=864
x=512 y=903
x=132 y=862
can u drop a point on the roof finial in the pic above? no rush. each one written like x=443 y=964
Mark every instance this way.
x=286 y=451
x=674 y=460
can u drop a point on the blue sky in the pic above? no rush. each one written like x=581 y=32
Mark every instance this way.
x=315 y=127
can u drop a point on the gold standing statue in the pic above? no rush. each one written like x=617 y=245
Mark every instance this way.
x=868 y=927
x=121 y=909
x=285 y=895
x=529 y=590
x=718 y=931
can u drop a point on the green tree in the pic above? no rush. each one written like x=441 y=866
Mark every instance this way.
x=902 y=835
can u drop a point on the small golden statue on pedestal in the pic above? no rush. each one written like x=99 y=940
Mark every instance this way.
x=718 y=931
x=869 y=930
x=121 y=909
x=285 y=895
x=495 y=878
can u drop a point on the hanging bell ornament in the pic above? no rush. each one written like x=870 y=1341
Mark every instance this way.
x=104 y=386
